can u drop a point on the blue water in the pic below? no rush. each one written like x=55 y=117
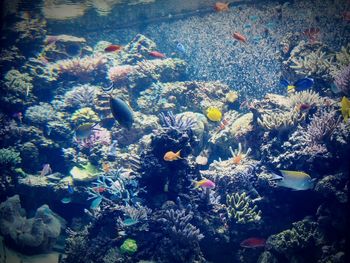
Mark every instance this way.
x=159 y=131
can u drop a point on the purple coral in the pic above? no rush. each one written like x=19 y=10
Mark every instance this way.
x=100 y=136
x=342 y=80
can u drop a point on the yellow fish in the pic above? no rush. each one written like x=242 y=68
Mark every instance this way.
x=345 y=108
x=295 y=180
x=214 y=114
x=171 y=156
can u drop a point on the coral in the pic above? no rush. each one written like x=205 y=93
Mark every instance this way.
x=307 y=97
x=241 y=126
x=333 y=186
x=41 y=114
x=119 y=74
x=80 y=96
x=178 y=122
x=34 y=235
x=129 y=246
x=30 y=156
x=237 y=155
x=183 y=96
x=30 y=30
x=9 y=158
x=100 y=136
x=10 y=57
x=280 y=120
x=137 y=49
x=135 y=214
x=241 y=209
x=342 y=80
x=84 y=115
x=311 y=60
x=82 y=68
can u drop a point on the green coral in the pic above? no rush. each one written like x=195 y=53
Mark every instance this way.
x=84 y=115
x=241 y=209
x=9 y=157
x=129 y=246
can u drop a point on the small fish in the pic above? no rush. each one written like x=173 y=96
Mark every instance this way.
x=171 y=156
x=180 y=47
x=204 y=183
x=84 y=131
x=66 y=200
x=46 y=170
x=70 y=189
x=220 y=6
x=295 y=180
x=240 y=37
x=299 y=85
x=253 y=242
x=96 y=203
x=121 y=112
x=18 y=115
x=130 y=222
x=113 y=48
x=214 y=114
x=345 y=108
x=156 y=54
x=303 y=107
x=99 y=189
x=106 y=167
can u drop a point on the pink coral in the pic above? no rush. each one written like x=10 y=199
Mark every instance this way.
x=99 y=136
x=119 y=73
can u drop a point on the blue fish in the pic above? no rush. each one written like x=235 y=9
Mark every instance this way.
x=299 y=85
x=96 y=203
x=121 y=112
x=70 y=189
x=130 y=222
x=180 y=47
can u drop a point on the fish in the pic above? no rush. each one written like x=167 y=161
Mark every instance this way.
x=204 y=183
x=220 y=6
x=99 y=189
x=66 y=200
x=294 y=180
x=171 y=156
x=113 y=48
x=156 y=54
x=299 y=85
x=46 y=170
x=214 y=114
x=84 y=131
x=70 y=189
x=130 y=222
x=18 y=115
x=303 y=107
x=106 y=167
x=121 y=112
x=180 y=47
x=96 y=202
x=253 y=242
x=240 y=37
x=345 y=108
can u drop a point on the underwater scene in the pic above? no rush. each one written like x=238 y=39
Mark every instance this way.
x=170 y=131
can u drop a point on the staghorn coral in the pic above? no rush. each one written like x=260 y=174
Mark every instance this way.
x=80 y=96
x=240 y=209
x=135 y=214
x=280 y=120
x=30 y=29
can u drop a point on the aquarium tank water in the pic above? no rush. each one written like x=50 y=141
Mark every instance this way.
x=174 y=131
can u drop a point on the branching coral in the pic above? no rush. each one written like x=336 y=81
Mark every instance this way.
x=81 y=96
x=280 y=120
x=134 y=215
x=177 y=225
x=342 y=80
x=40 y=114
x=240 y=208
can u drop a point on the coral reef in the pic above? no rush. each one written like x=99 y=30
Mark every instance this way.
x=241 y=209
x=80 y=96
x=342 y=80
x=33 y=235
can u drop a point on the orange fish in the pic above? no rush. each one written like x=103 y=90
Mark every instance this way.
x=156 y=54
x=220 y=6
x=99 y=189
x=113 y=48
x=171 y=156
x=106 y=167
x=239 y=37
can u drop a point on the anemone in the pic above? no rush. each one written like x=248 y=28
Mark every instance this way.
x=181 y=123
